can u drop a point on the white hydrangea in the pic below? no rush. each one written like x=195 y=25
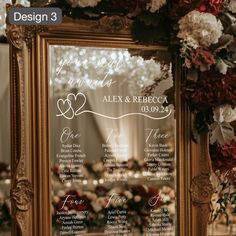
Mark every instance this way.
x=155 y=5
x=224 y=114
x=232 y=6
x=202 y=27
x=83 y=3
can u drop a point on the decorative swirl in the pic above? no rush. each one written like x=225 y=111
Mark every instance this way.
x=201 y=189
x=22 y=194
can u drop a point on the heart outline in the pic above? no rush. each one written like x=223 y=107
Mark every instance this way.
x=65 y=112
x=75 y=97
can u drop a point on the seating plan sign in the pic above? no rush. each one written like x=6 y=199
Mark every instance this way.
x=112 y=132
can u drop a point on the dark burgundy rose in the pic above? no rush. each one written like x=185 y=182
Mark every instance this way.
x=212 y=89
x=224 y=157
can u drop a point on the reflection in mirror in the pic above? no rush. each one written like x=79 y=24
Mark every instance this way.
x=112 y=142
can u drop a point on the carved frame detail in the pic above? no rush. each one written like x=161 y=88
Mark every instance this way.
x=21 y=184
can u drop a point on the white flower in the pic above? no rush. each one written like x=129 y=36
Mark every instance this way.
x=232 y=6
x=155 y=5
x=61 y=193
x=83 y=3
x=56 y=199
x=188 y=44
x=165 y=197
x=96 y=206
x=165 y=189
x=224 y=114
x=128 y=194
x=137 y=198
x=98 y=167
x=202 y=27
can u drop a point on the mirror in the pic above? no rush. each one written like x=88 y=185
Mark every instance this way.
x=100 y=134
x=112 y=141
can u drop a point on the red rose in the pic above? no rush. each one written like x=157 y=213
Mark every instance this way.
x=212 y=6
x=216 y=4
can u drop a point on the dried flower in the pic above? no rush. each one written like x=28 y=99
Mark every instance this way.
x=202 y=59
x=83 y=3
x=188 y=45
x=232 y=6
x=225 y=113
x=204 y=28
x=155 y=5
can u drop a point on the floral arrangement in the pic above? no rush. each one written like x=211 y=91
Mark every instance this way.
x=95 y=202
x=224 y=198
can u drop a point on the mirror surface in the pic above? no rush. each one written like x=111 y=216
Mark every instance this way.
x=112 y=141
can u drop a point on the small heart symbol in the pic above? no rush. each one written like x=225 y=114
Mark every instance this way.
x=64 y=106
x=79 y=99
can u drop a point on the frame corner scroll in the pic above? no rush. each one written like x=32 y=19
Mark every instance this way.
x=18 y=34
x=114 y=24
x=22 y=196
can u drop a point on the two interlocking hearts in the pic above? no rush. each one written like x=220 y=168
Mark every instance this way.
x=67 y=107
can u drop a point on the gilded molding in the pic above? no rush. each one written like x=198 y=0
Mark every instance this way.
x=113 y=24
x=21 y=188
x=17 y=34
x=22 y=194
x=201 y=189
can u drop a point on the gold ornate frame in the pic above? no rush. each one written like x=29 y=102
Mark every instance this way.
x=30 y=188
